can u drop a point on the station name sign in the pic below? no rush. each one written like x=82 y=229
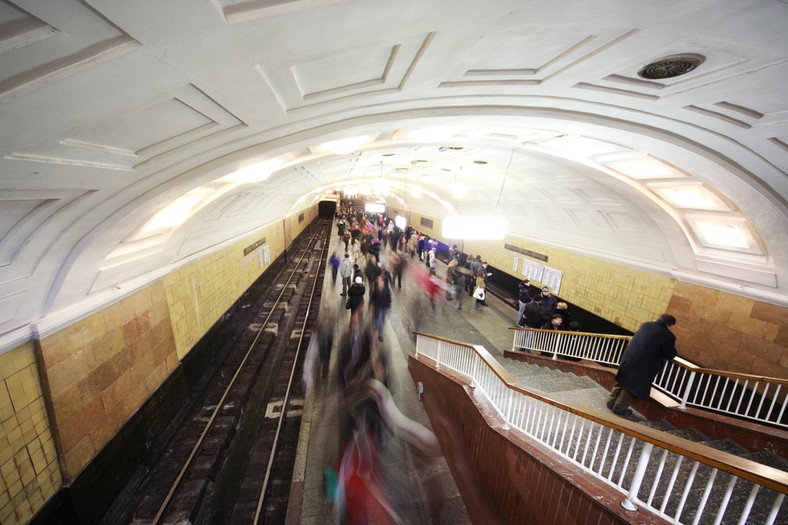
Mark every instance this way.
x=529 y=253
x=252 y=247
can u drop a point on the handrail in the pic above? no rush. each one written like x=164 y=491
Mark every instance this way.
x=758 y=398
x=573 y=430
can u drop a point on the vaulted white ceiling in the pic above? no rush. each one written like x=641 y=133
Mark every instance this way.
x=112 y=110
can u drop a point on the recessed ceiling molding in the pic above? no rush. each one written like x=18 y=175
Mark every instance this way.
x=21 y=33
x=779 y=142
x=353 y=71
x=717 y=115
x=526 y=72
x=67 y=161
x=614 y=91
x=639 y=82
x=61 y=68
x=255 y=10
x=478 y=83
x=98 y=147
x=740 y=109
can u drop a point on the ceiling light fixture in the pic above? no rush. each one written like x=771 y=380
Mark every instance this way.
x=344 y=146
x=641 y=166
x=690 y=196
x=253 y=173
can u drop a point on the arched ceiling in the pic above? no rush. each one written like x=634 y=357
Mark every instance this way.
x=113 y=111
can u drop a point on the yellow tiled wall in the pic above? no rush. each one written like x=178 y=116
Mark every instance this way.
x=715 y=329
x=437 y=225
x=198 y=294
x=625 y=296
x=29 y=470
x=101 y=369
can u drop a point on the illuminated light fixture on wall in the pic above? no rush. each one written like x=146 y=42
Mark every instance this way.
x=257 y=172
x=690 y=196
x=416 y=190
x=401 y=222
x=727 y=233
x=577 y=146
x=642 y=167
x=344 y=146
x=483 y=228
x=174 y=214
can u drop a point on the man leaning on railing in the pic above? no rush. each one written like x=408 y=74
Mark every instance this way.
x=643 y=358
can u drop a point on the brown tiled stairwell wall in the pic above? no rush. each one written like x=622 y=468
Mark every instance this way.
x=504 y=477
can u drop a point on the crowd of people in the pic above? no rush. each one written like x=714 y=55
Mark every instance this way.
x=377 y=254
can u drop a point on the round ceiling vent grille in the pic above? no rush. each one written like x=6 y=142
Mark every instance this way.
x=671 y=66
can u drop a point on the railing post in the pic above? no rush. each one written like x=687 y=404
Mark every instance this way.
x=508 y=415
x=474 y=372
x=686 y=394
x=438 y=356
x=556 y=345
x=640 y=471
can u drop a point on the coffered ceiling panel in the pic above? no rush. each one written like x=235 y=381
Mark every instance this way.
x=140 y=132
x=361 y=70
x=45 y=41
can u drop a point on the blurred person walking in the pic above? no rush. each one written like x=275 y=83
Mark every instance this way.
x=346 y=272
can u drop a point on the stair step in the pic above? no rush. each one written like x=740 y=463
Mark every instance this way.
x=765 y=457
x=659 y=424
x=568 y=387
x=726 y=445
x=690 y=434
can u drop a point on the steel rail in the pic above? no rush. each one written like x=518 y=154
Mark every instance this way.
x=280 y=422
x=209 y=424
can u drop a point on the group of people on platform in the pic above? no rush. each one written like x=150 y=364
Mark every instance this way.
x=650 y=347
x=367 y=413
x=543 y=310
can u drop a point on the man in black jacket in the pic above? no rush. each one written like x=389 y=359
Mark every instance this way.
x=523 y=298
x=532 y=314
x=643 y=358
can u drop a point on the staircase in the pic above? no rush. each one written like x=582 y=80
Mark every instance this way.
x=664 y=474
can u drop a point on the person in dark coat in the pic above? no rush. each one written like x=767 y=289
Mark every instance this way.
x=547 y=305
x=532 y=315
x=643 y=358
x=355 y=301
x=523 y=298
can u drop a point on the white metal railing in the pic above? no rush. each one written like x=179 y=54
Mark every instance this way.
x=581 y=345
x=757 y=398
x=651 y=469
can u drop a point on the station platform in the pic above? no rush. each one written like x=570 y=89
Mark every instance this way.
x=421 y=489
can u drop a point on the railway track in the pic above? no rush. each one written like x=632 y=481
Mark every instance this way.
x=231 y=459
